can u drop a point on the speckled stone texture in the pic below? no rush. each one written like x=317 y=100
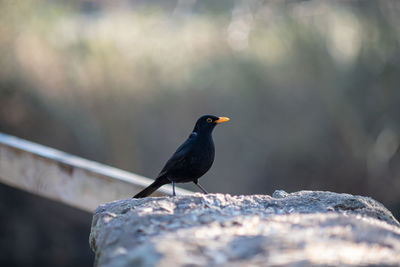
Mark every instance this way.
x=305 y=228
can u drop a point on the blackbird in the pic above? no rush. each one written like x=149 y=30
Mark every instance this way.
x=191 y=160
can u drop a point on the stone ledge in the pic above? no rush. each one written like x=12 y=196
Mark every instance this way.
x=299 y=229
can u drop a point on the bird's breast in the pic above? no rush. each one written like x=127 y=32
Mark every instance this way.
x=202 y=158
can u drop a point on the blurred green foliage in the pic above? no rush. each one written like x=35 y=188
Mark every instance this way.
x=311 y=87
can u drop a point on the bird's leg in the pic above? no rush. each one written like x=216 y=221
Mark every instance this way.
x=173 y=188
x=201 y=188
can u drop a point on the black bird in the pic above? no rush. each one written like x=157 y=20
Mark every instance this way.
x=191 y=160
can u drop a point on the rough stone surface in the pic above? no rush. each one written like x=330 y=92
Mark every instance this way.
x=305 y=228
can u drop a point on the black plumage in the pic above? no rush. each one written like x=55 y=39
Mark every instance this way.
x=191 y=160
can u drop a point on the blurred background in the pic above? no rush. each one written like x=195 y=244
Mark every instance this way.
x=311 y=87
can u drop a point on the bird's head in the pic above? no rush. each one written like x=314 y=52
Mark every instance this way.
x=207 y=123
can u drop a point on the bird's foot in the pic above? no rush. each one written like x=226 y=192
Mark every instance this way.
x=173 y=189
x=201 y=188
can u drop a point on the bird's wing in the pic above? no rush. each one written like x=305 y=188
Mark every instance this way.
x=180 y=156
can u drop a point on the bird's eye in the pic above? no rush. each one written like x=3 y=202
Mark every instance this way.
x=209 y=120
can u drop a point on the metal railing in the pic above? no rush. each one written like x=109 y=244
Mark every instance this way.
x=65 y=178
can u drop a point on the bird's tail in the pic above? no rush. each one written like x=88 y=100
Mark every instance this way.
x=151 y=188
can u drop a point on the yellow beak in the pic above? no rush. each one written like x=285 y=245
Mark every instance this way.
x=222 y=119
